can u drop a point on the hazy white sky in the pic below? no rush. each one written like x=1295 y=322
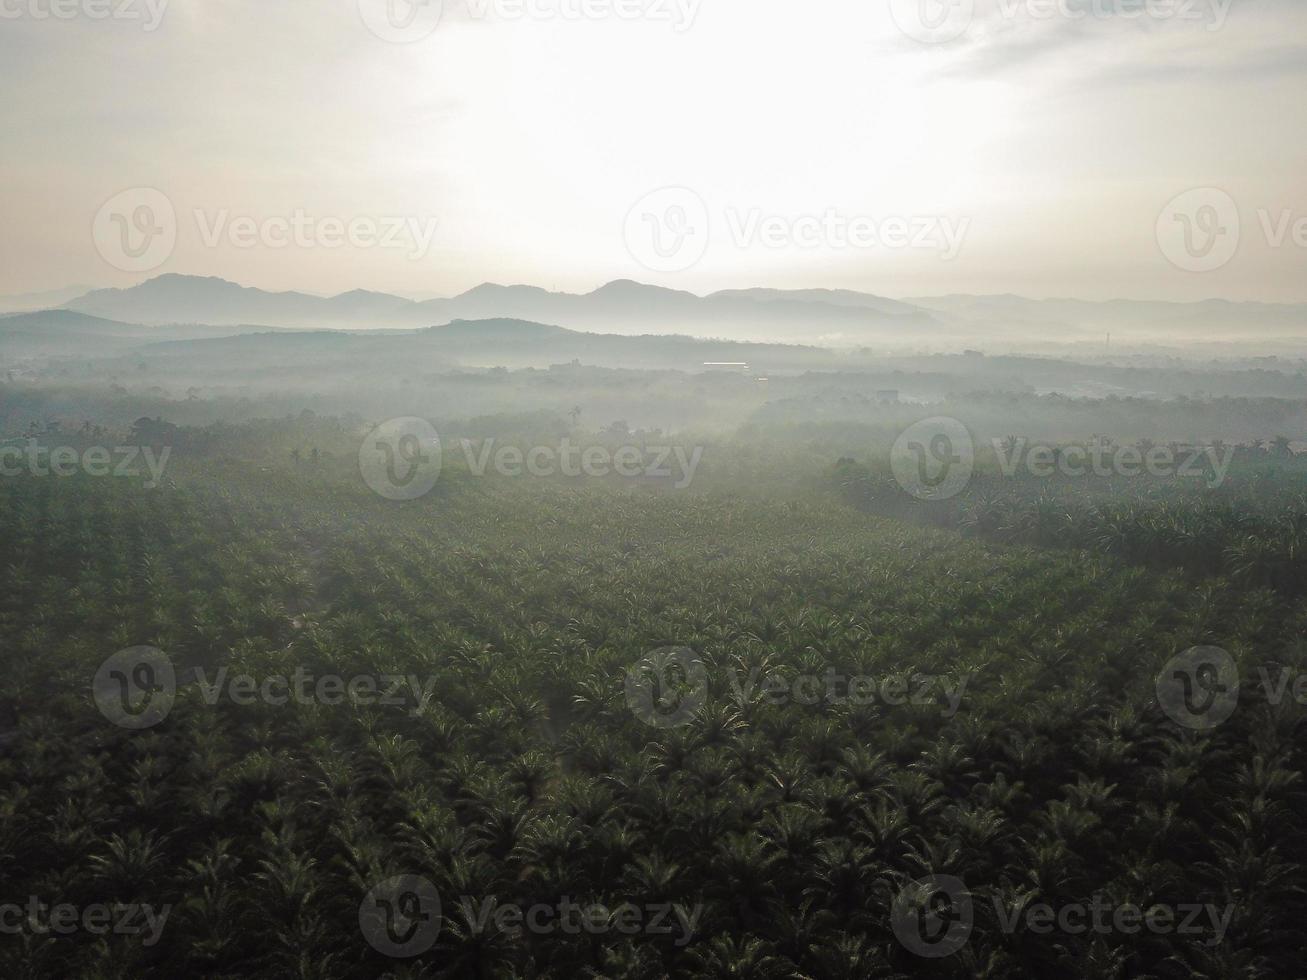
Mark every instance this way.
x=1035 y=152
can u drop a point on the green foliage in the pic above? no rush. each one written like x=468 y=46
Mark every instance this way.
x=525 y=777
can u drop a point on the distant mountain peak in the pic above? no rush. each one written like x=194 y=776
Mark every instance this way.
x=630 y=287
x=185 y=279
x=493 y=289
x=358 y=292
x=498 y=327
x=45 y=300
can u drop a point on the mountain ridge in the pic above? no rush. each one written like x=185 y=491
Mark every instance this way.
x=830 y=317
x=620 y=306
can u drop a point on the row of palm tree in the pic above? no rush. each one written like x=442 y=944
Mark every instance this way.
x=789 y=828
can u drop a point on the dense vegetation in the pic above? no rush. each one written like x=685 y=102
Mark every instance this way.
x=1249 y=526
x=788 y=829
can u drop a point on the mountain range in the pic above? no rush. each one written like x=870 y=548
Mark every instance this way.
x=247 y=350
x=833 y=318
x=619 y=307
x=67 y=333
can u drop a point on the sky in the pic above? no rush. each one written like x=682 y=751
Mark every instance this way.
x=1087 y=148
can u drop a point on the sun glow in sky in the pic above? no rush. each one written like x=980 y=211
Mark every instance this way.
x=1054 y=142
